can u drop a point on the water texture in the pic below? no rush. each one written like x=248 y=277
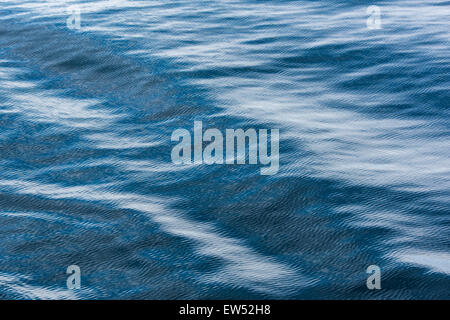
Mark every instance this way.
x=86 y=118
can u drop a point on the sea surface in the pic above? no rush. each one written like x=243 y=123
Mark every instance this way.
x=86 y=179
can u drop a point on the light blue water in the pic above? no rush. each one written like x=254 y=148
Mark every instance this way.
x=87 y=179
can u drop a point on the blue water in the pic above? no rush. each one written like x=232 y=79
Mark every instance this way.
x=87 y=179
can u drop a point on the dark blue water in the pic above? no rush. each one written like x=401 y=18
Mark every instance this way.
x=87 y=179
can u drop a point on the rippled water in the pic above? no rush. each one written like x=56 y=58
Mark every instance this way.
x=87 y=178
